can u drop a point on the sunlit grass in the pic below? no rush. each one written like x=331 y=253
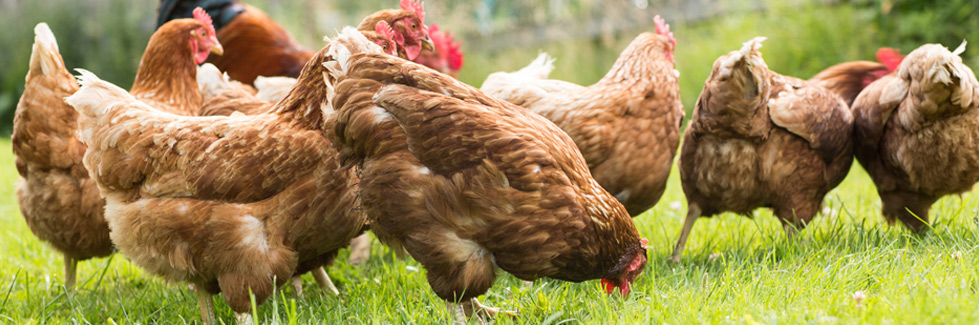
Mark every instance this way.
x=735 y=269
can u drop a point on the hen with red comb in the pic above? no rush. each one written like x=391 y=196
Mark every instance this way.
x=447 y=56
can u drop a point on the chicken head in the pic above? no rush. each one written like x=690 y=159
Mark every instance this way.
x=204 y=40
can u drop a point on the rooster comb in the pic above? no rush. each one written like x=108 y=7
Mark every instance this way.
x=889 y=57
x=663 y=28
x=444 y=41
x=416 y=7
x=202 y=16
x=384 y=29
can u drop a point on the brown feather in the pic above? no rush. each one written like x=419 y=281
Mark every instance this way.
x=627 y=125
x=467 y=183
x=917 y=135
x=228 y=203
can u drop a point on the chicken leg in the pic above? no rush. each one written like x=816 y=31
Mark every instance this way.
x=693 y=212
x=297 y=285
x=71 y=265
x=244 y=319
x=462 y=310
x=360 y=249
x=206 y=303
x=324 y=281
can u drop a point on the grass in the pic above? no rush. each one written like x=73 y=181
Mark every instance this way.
x=734 y=270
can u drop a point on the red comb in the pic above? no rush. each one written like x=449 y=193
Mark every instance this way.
x=202 y=16
x=643 y=242
x=663 y=28
x=609 y=287
x=889 y=57
x=384 y=29
x=445 y=42
x=416 y=7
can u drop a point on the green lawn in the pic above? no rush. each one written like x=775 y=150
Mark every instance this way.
x=734 y=270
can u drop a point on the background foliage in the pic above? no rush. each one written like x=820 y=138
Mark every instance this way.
x=108 y=37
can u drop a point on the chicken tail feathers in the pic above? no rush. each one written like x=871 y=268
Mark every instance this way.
x=744 y=69
x=45 y=53
x=540 y=68
x=96 y=96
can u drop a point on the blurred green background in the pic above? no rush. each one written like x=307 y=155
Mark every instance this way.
x=108 y=36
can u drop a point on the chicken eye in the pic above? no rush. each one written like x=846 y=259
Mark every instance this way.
x=414 y=25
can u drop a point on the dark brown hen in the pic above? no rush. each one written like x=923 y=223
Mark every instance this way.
x=760 y=139
x=917 y=133
x=467 y=183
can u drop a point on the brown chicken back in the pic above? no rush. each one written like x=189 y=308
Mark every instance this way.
x=235 y=205
x=627 y=125
x=760 y=139
x=58 y=200
x=467 y=183
x=60 y=203
x=917 y=133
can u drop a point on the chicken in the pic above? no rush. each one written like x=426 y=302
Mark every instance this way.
x=917 y=133
x=235 y=205
x=447 y=58
x=760 y=139
x=849 y=78
x=58 y=200
x=467 y=183
x=257 y=46
x=627 y=125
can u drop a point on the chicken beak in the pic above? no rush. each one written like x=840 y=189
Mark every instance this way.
x=216 y=48
x=428 y=44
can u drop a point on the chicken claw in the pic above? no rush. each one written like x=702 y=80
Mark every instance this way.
x=324 y=281
x=462 y=311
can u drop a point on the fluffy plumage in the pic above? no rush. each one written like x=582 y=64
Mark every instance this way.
x=60 y=203
x=231 y=204
x=467 y=183
x=917 y=133
x=627 y=125
x=760 y=139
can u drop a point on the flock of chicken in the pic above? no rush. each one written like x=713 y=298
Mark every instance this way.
x=239 y=186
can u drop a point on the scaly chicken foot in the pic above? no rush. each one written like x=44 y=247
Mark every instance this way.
x=206 y=303
x=360 y=249
x=461 y=311
x=297 y=285
x=324 y=281
x=71 y=265
x=693 y=212
x=244 y=319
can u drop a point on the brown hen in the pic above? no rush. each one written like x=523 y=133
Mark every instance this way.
x=60 y=203
x=258 y=46
x=236 y=205
x=467 y=183
x=627 y=125
x=917 y=133
x=760 y=139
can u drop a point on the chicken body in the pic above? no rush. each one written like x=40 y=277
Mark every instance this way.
x=467 y=183
x=917 y=133
x=235 y=205
x=760 y=139
x=59 y=201
x=627 y=125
